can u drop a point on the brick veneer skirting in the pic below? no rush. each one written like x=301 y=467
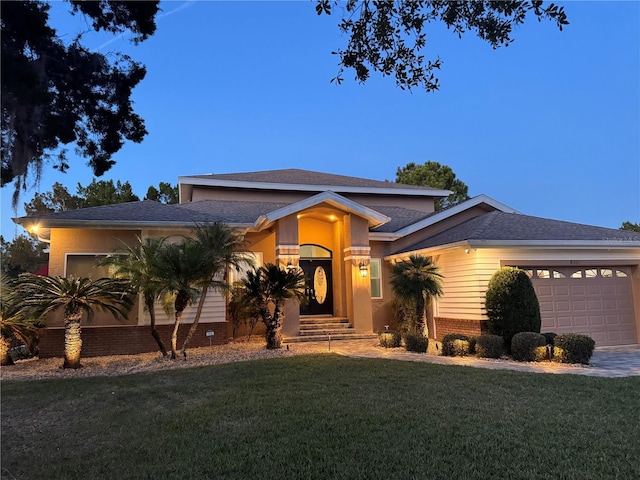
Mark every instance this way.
x=128 y=340
x=445 y=326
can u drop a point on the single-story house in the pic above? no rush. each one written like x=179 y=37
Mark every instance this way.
x=345 y=233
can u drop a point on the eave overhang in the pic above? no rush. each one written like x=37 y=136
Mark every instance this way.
x=185 y=182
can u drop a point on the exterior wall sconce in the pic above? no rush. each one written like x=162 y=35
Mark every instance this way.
x=290 y=265
x=363 y=269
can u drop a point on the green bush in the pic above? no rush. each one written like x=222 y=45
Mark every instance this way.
x=414 y=342
x=489 y=346
x=455 y=345
x=390 y=339
x=472 y=345
x=573 y=348
x=549 y=337
x=524 y=347
x=511 y=304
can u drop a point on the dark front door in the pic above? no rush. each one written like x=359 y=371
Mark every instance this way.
x=318 y=287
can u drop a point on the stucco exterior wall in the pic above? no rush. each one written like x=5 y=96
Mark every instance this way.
x=421 y=203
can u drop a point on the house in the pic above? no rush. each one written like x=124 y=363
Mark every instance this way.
x=345 y=233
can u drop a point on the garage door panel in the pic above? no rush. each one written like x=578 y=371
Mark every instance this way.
x=594 y=305
x=588 y=300
x=577 y=289
x=546 y=307
x=596 y=320
x=545 y=291
x=560 y=290
x=596 y=289
x=579 y=306
x=612 y=319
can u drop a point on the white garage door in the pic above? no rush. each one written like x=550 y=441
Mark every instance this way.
x=594 y=301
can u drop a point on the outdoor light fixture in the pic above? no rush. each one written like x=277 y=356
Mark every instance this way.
x=363 y=269
x=290 y=265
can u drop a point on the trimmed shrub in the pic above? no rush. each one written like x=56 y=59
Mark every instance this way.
x=511 y=304
x=573 y=348
x=415 y=342
x=489 y=346
x=472 y=345
x=390 y=339
x=455 y=345
x=549 y=337
x=525 y=347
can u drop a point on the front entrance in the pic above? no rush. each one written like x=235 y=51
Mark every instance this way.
x=318 y=287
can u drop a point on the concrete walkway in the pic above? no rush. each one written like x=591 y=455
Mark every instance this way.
x=605 y=362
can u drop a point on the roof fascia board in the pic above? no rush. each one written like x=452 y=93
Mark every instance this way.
x=374 y=218
x=449 y=212
x=311 y=188
x=119 y=225
x=426 y=251
x=557 y=244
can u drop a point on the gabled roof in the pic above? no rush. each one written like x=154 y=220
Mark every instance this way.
x=510 y=229
x=405 y=222
x=305 y=181
x=373 y=217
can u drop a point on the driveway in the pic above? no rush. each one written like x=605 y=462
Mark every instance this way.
x=605 y=362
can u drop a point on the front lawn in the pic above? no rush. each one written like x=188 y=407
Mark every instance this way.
x=324 y=417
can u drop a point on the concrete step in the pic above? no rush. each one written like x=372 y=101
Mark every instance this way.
x=325 y=338
x=325 y=326
x=322 y=319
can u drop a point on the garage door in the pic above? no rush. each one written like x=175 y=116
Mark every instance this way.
x=595 y=301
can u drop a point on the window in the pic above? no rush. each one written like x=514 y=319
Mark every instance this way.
x=606 y=272
x=253 y=260
x=543 y=273
x=591 y=273
x=620 y=274
x=557 y=274
x=86 y=265
x=576 y=274
x=375 y=269
x=314 y=251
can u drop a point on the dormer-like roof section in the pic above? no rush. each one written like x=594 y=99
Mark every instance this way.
x=332 y=199
x=302 y=181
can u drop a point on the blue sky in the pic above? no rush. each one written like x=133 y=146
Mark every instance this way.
x=549 y=125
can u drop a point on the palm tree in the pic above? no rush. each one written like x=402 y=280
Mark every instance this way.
x=416 y=279
x=181 y=267
x=138 y=266
x=12 y=323
x=219 y=247
x=273 y=286
x=41 y=295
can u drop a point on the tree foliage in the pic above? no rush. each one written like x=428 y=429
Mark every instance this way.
x=59 y=94
x=270 y=287
x=165 y=193
x=435 y=175
x=23 y=254
x=76 y=297
x=138 y=264
x=633 y=227
x=13 y=324
x=388 y=37
x=98 y=192
x=416 y=279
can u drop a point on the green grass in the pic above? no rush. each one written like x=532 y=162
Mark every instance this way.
x=324 y=417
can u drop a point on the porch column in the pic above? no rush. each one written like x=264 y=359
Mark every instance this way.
x=357 y=257
x=288 y=256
